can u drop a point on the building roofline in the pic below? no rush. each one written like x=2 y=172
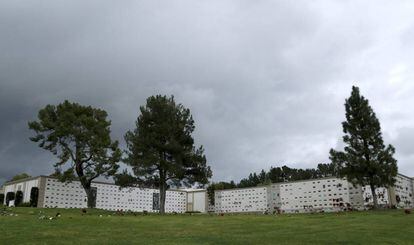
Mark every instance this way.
x=281 y=183
x=412 y=178
x=244 y=188
x=108 y=183
x=298 y=181
x=198 y=190
x=20 y=180
x=94 y=182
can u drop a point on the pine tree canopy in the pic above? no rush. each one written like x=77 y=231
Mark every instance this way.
x=80 y=138
x=365 y=160
x=161 y=149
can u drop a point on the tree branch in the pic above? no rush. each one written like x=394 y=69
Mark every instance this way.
x=66 y=147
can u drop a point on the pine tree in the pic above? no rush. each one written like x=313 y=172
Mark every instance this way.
x=365 y=159
x=80 y=137
x=161 y=149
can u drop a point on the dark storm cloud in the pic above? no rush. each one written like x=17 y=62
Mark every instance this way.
x=265 y=80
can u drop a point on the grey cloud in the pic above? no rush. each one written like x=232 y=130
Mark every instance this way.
x=266 y=81
x=404 y=142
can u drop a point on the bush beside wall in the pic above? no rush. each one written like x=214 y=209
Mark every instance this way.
x=34 y=196
x=19 y=198
x=25 y=204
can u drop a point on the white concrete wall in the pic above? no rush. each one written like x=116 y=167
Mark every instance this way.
x=110 y=197
x=404 y=190
x=382 y=196
x=241 y=200
x=412 y=186
x=329 y=194
x=356 y=198
x=273 y=197
x=64 y=195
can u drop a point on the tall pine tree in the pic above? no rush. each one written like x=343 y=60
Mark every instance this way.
x=365 y=159
x=161 y=149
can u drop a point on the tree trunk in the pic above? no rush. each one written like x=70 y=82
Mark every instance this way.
x=86 y=184
x=163 y=192
x=374 y=196
x=90 y=195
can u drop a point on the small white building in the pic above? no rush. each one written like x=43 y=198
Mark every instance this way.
x=24 y=185
x=197 y=200
x=53 y=193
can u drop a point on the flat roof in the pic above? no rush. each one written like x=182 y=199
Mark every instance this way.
x=307 y=180
x=405 y=176
x=96 y=182
x=20 y=180
x=244 y=188
x=281 y=183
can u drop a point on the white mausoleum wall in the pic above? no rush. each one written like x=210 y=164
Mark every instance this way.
x=110 y=197
x=241 y=200
x=404 y=191
x=328 y=194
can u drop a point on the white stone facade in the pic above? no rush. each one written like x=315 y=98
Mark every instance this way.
x=326 y=194
x=383 y=196
x=273 y=197
x=404 y=191
x=110 y=197
x=241 y=200
x=53 y=193
x=329 y=194
x=400 y=195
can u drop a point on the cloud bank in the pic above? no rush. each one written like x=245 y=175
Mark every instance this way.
x=265 y=80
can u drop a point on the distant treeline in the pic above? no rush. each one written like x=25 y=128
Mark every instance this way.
x=275 y=175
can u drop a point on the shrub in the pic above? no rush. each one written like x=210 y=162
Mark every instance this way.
x=19 y=198
x=1 y=199
x=34 y=195
x=9 y=197
x=25 y=204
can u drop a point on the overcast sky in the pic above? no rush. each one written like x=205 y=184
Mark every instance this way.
x=266 y=81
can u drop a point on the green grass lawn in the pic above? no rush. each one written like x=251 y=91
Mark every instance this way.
x=381 y=227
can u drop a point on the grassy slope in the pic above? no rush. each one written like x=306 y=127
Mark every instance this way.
x=73 y=228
